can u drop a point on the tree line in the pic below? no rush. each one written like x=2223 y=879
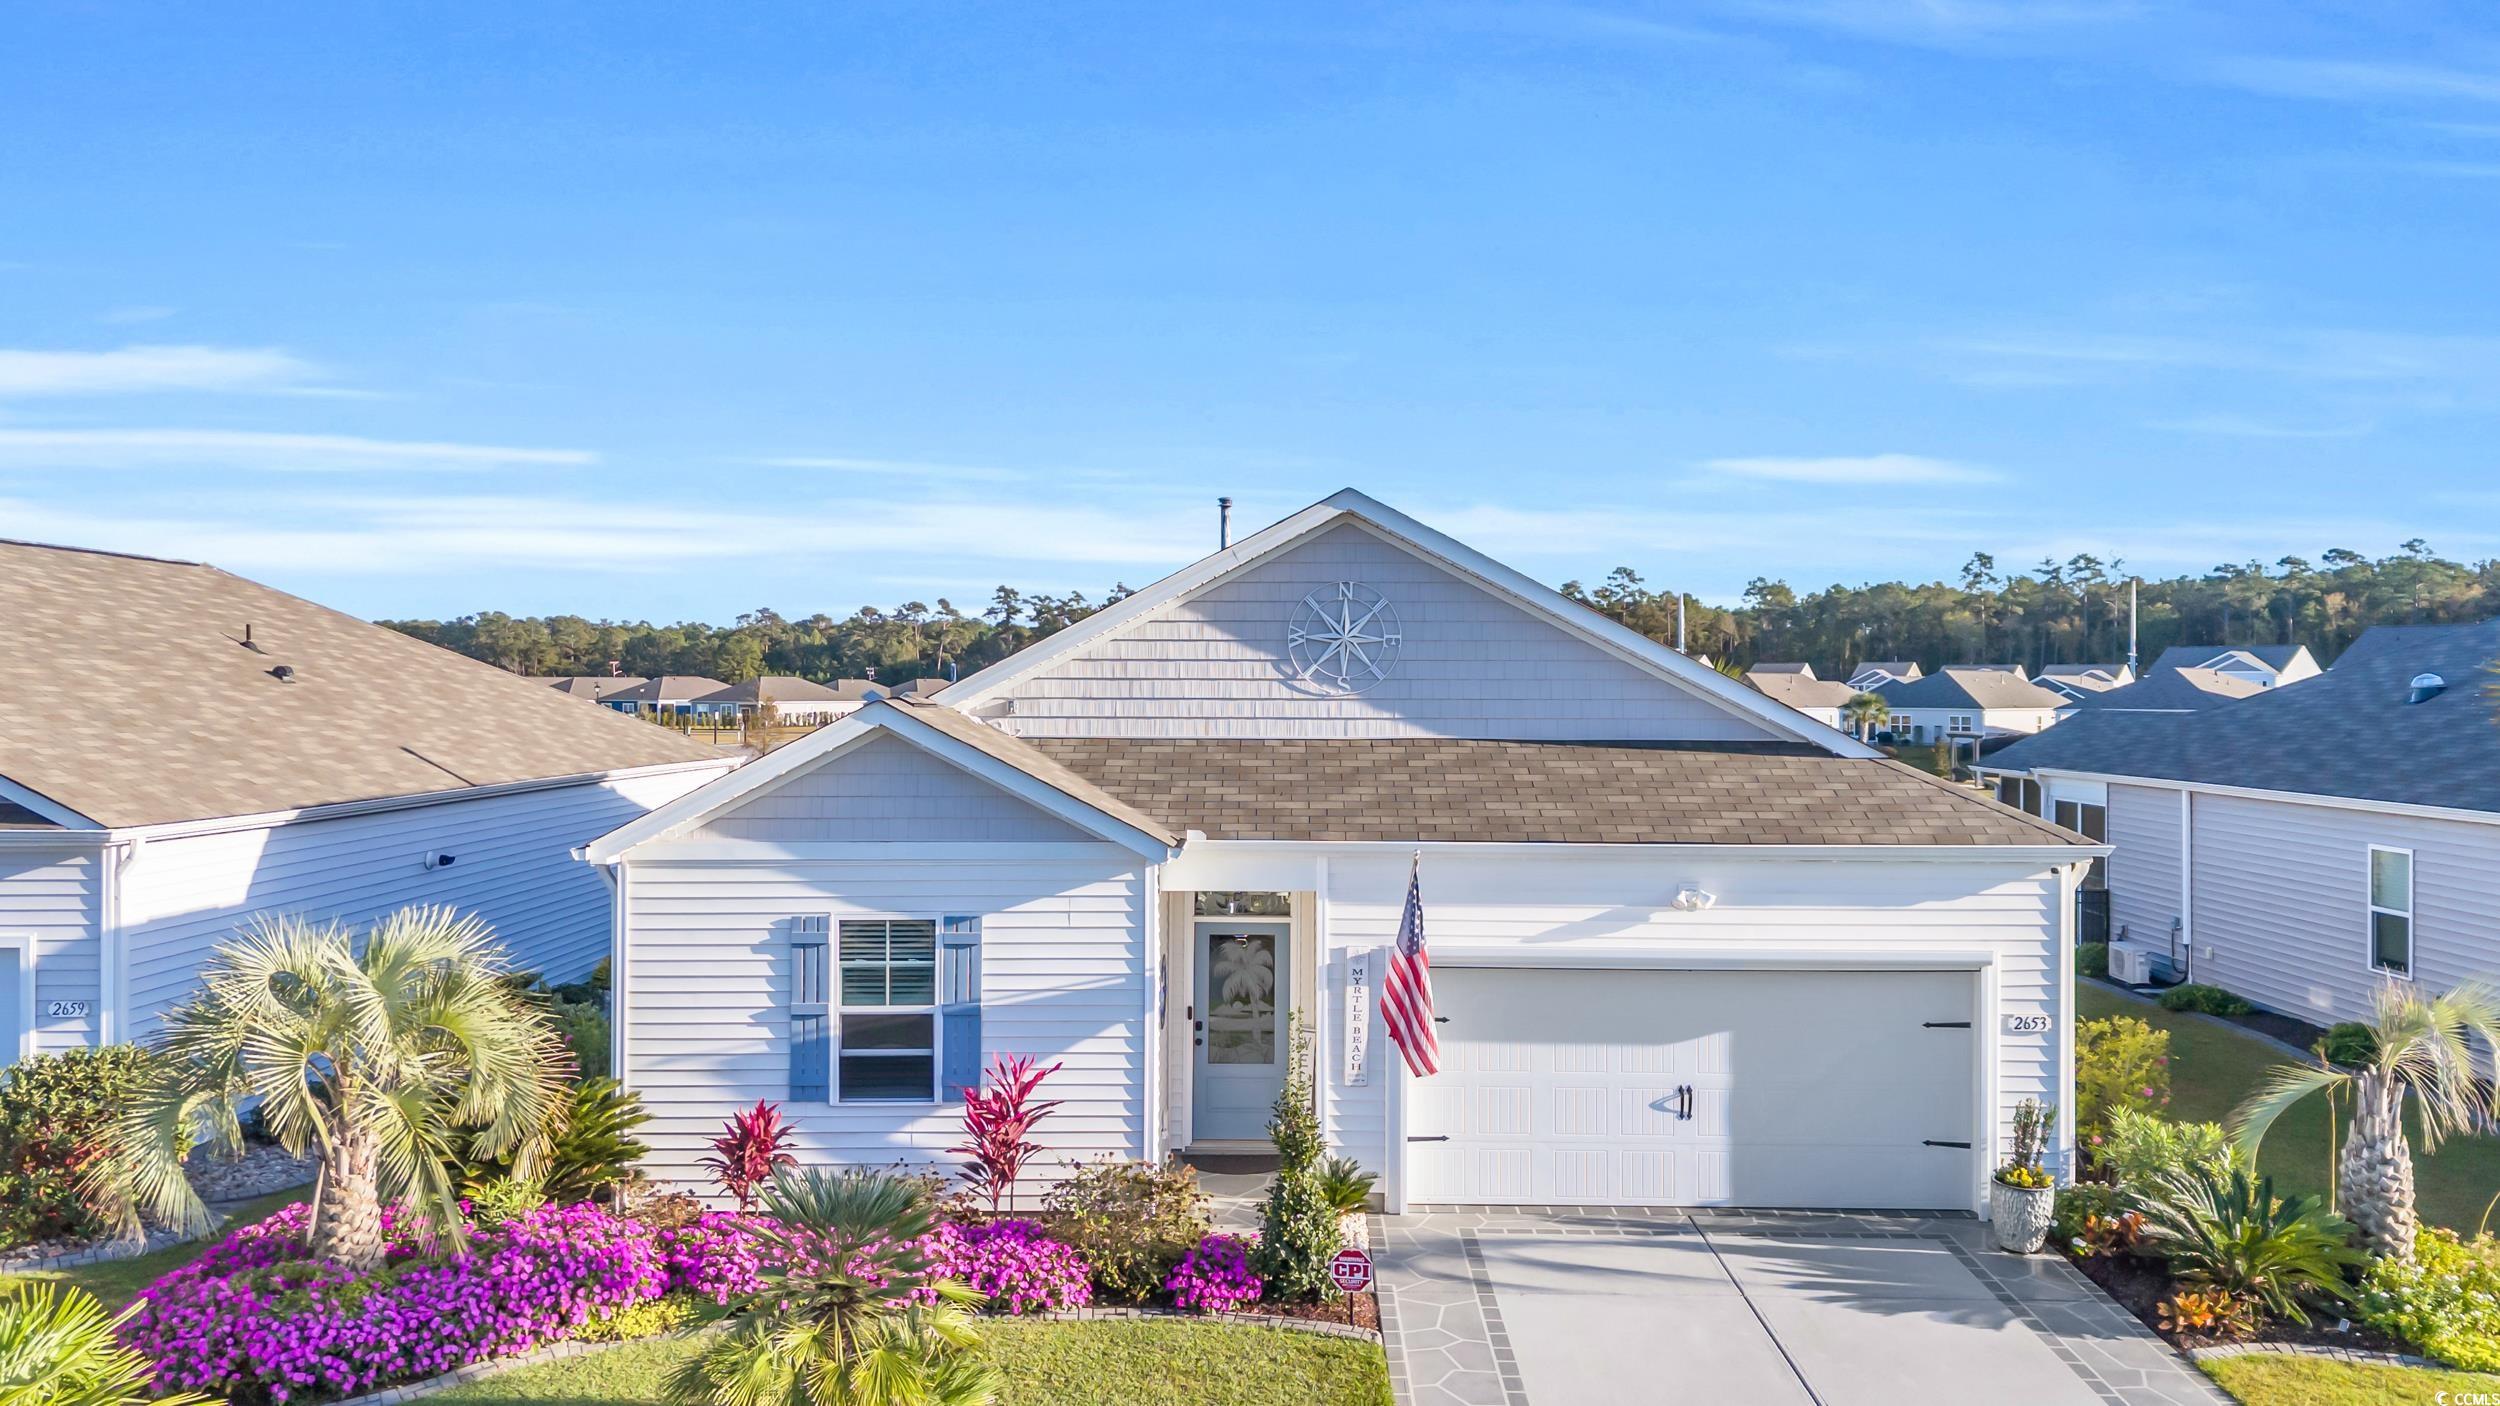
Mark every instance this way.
x=2074 y=611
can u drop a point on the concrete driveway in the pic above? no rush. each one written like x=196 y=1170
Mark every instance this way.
x=1560 y=1307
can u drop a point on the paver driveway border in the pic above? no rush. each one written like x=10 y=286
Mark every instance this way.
x=1447 y=1345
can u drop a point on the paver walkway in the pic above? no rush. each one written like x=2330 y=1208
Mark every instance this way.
x=1553 y=1306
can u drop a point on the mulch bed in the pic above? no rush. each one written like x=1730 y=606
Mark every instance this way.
x=1366 y=1310
x=2140 y=1285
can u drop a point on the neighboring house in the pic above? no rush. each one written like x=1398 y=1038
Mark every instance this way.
x=669 y=693
x=2266 y=665
x=1877 y=672
x=914 y=688
x=2302 y=845
x=1796 y=686
x=595 y=688
x=2170 y=691
x=1968 y=701
x=2075 y=681
x=1691 y=947
x=184 y=749
x=796 y=700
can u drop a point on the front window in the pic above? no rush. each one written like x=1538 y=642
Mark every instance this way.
x=888 y=1030
x=1214 y=903
x=2092 y=822
x=2391 y=910
x=1962 y=723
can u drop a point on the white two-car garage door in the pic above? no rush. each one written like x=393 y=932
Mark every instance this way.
x=1698 y=1088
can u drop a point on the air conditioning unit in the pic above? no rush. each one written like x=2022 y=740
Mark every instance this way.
x=2132 y=965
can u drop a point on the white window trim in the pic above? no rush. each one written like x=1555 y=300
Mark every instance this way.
x=2371 y=911
x=23 y=942
x=842 y=1011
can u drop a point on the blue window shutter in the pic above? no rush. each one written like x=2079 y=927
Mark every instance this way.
x=959 y=1040
x=811 y=1018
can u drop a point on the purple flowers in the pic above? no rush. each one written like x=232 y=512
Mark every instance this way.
x=1014 y=1263
x=1215 y=1277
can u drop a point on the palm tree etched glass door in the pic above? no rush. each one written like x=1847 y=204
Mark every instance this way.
x=1241 y=1001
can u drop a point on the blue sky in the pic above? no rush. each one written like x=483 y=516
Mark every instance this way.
x=672 y=311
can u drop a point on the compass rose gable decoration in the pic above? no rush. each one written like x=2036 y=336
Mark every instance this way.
x=1343 y=638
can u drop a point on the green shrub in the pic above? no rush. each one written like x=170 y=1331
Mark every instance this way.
x=593 y=1150
x=584 y=1026
x=494 y=1202
x=646 y=1319
x=1346 y=1185
x=1130 y=1221
x=2092 y=959
x=2121 y=1064
x=1299 y=1232
x=2350 y=1044
x=2446 y=1299
x=53 y=1110
x=2233 y=1233
x=2212 y=1000
x=2077 y=1203
x=2141 y=1150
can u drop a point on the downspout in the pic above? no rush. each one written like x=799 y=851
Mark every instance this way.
x=614 y=875
x=2070 y=878
x=113 y=951
x=2187 y=883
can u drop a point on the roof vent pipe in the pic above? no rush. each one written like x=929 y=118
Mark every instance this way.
x=2424 y=688
x=1223 y=523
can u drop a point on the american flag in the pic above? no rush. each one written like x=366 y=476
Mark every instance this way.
x=1406 y=997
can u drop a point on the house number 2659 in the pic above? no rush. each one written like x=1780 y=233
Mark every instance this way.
x=64 y=1010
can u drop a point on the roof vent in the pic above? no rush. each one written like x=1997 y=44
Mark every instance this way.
x=284 y=673
x=2425 y=687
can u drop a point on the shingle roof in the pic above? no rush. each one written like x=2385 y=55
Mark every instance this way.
x=1959 y=687
x=1034 y=762
x=1766 y=668
x=670 y=688
x=1898 y=668
x=592 y=686
x=134 y=700
x=786 y=688
x=1463 y=790
x=1801 y=690
x=2081 y=671
x=2190 y=656
x=2347 y=732
x=2173 y=691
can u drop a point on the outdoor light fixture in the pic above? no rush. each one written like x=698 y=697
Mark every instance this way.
x=1693 y=898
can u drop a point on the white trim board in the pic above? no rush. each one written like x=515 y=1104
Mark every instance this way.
x=2305 y=798
x=1447 y=553
x=45 y=806
x=23 y=943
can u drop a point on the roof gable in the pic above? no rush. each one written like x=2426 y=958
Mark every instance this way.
x=1484 y=651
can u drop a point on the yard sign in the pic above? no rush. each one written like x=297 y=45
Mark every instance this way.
x=1358 y=1019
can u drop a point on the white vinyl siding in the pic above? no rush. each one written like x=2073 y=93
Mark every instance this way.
x=1471 y=665
x=512 y=866
x=54 y=900
x=1063 y=979
x=2144 y=868
x=885 y=790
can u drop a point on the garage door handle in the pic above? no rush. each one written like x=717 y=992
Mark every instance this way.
x=1436 y=1137
x=1944 y=1025
x=1931 y=1142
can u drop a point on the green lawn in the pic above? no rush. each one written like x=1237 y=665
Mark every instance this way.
x=2212 y=1069
x=117 y=1282
x=1043 y=1364
x=2271 y=1379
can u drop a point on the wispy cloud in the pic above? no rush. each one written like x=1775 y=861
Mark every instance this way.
x=28 y=373
x=2249 y=427
x=1852 y=469
x=250 y=449
x=2359 y=80
x=1943 y=23
x=894 y=468
x=135 y=313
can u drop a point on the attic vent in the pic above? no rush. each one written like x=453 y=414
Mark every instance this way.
x=2425 y=687
x=284 y=673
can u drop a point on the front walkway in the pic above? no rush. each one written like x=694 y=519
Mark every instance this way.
x=1537 y=1306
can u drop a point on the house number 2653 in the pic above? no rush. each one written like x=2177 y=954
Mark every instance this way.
x=2029 y=1024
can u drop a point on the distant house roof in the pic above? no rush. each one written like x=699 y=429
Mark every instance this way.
x=913 y=688
x=1801 y=691
x=670 y=688
x=2111 y=672
x=1903 y=669
x=2348 y=732
x=1768 y=668
x=151 y=691
x=2276 y=657
x=1956 y=686
x=786 y=688
x=2172 y=691
x=595 y=687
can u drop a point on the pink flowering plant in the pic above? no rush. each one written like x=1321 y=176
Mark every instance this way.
x=1014 y=1264
x=1215 y=1277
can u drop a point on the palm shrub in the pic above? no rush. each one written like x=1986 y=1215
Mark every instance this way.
x=57 y=1348
x=2422 y=1053
x=1347 y=1187
x=851 y=1312
x=56 y=1111
x=387 y=1059
x=2232 y=1233
x=590 y=1151
x=1299 y=1231
x=1866 y=713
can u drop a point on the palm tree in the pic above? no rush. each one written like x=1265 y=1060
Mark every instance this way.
x=2426 y=1053
x=57 y=1349
x=1866 y=712
x=377 y=1061
x=833 y=1324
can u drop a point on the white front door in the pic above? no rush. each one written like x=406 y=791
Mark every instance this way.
x=1243 y=966
x=1699 y=1088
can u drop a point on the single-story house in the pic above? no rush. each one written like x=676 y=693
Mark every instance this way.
x=1877 y=672
x=2077 y=680
x=186 y=749
x=795 y=700
x=1968 y=701
x=1796 y=686
x=2266 y=665
x=2189 y=690
x=669 y=693
x=1689 y=946
x=2303 y=845
x=593 y=688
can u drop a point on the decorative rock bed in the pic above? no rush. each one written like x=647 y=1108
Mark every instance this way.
x=262 y=1169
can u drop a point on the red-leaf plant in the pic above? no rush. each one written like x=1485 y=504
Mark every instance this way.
x=998 y=1126
x=754 y=1146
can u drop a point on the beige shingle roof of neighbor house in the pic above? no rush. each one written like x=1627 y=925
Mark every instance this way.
x=128 y=695
x=1466 y=790
x=592 y=686
x=1801 y=690
x=1957 y=686
x=670 y=688
x=788 y=688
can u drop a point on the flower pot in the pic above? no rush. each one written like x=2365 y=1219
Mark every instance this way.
x=2019 y=1215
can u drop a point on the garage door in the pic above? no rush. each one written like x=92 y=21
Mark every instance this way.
x=1686 y=1088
